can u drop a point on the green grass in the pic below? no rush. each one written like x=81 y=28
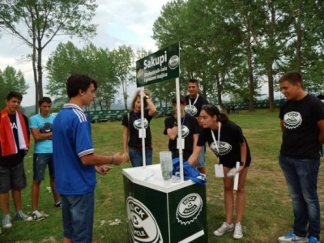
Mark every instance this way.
x=268 y=211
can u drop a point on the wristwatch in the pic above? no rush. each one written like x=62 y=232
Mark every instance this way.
x=146 y=97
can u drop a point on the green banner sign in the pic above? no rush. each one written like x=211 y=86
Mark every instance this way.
x=159 y=66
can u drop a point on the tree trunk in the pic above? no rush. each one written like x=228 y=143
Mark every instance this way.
x=250 y=70
x=35 y=71
x=270 y=88
x=298 y=42
x=39 y=71
x=219 y=90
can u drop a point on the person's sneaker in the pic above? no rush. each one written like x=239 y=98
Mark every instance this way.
x=223 y=229
x=22 y=216
x=38 y=216
x=291 y=237
x=58 y=204
x=312 y=239
x=238 y=231
x=6 y=221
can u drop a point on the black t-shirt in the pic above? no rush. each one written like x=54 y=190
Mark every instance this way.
x=12 y=160
x=300 y=138
x=195 y=107
x=231 y=137
x=189 y=127
x=134 y=125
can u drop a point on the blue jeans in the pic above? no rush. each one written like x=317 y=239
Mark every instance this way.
x=40 y=161
x=201 y=161
x=77 y=216
x=301 y=177
x=136 y=157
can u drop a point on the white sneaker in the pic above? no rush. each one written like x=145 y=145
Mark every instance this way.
x=238 y=231
x=291 y=237
x=6 y=221
x=22 y=216
x=223 y=229
x=38 y=216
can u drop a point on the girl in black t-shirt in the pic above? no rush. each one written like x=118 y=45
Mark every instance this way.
x=226 y=140
x=189 y=130
x=132 y=135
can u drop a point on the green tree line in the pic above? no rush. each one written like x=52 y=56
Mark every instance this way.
x=11 y=80
x=234 y=46
x=112 y=69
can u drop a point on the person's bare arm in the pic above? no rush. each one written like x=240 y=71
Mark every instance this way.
x=96 y=159
x=125 y=138
x=172 y=132
x=194 y=156
x=152 y=108
x=40 y=136
x=195 y=140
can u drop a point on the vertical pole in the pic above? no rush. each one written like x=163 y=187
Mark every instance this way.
x=179 y=128
x=142 y=127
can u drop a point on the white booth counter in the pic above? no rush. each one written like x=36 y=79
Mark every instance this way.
x=151 y=177
x=161 y=211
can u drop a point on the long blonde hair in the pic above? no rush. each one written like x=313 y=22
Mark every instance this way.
x=138 y=96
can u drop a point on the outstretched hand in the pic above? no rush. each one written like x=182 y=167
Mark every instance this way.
x=102 y=169
x=120 y=158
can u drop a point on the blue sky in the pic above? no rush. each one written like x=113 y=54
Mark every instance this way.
x=120 y=22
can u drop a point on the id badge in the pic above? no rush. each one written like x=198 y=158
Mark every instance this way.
x=142 y=133
x=219 y=171
x=182 y=143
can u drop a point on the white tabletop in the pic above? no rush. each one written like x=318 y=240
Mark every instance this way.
x=151 y=176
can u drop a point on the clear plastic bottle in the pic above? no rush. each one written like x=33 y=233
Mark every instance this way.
x=166 y=164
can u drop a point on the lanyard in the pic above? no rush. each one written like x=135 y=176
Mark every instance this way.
x=194 y=101
x=212 y=133
x=184 y=118
x=137 y=118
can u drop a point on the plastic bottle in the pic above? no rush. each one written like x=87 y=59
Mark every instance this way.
x=166 y=164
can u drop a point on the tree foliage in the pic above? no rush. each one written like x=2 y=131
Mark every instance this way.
x=234 y=47
x=12 y=80
x=111 y=69
x=37 y=22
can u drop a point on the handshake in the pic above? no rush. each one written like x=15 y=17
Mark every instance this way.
x=119 y=158
x=115 y=159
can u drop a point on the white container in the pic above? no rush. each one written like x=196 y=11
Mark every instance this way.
x=166 y=164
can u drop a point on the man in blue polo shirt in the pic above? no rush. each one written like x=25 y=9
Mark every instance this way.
x=75 y=161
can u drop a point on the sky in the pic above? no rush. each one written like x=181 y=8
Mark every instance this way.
x=120 y=22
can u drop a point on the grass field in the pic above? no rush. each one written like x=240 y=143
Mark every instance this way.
x=268 y=212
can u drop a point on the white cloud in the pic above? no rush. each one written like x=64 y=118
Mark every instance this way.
x=120 y=22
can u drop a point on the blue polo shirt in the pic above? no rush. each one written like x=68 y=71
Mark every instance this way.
x=72 y=140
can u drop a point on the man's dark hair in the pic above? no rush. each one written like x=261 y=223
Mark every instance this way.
x=292 y=77
x=14 y=94
x=78 y=82
x=193 y=80
x=45 y=100
x=182 y=100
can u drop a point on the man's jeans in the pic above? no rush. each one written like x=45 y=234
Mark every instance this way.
x=301 y=177
x=136 y=157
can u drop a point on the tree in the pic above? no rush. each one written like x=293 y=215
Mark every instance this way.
x=123 y=65
x=11 y=80
x=60 y=65
x=37 y=22
x=99 y=63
